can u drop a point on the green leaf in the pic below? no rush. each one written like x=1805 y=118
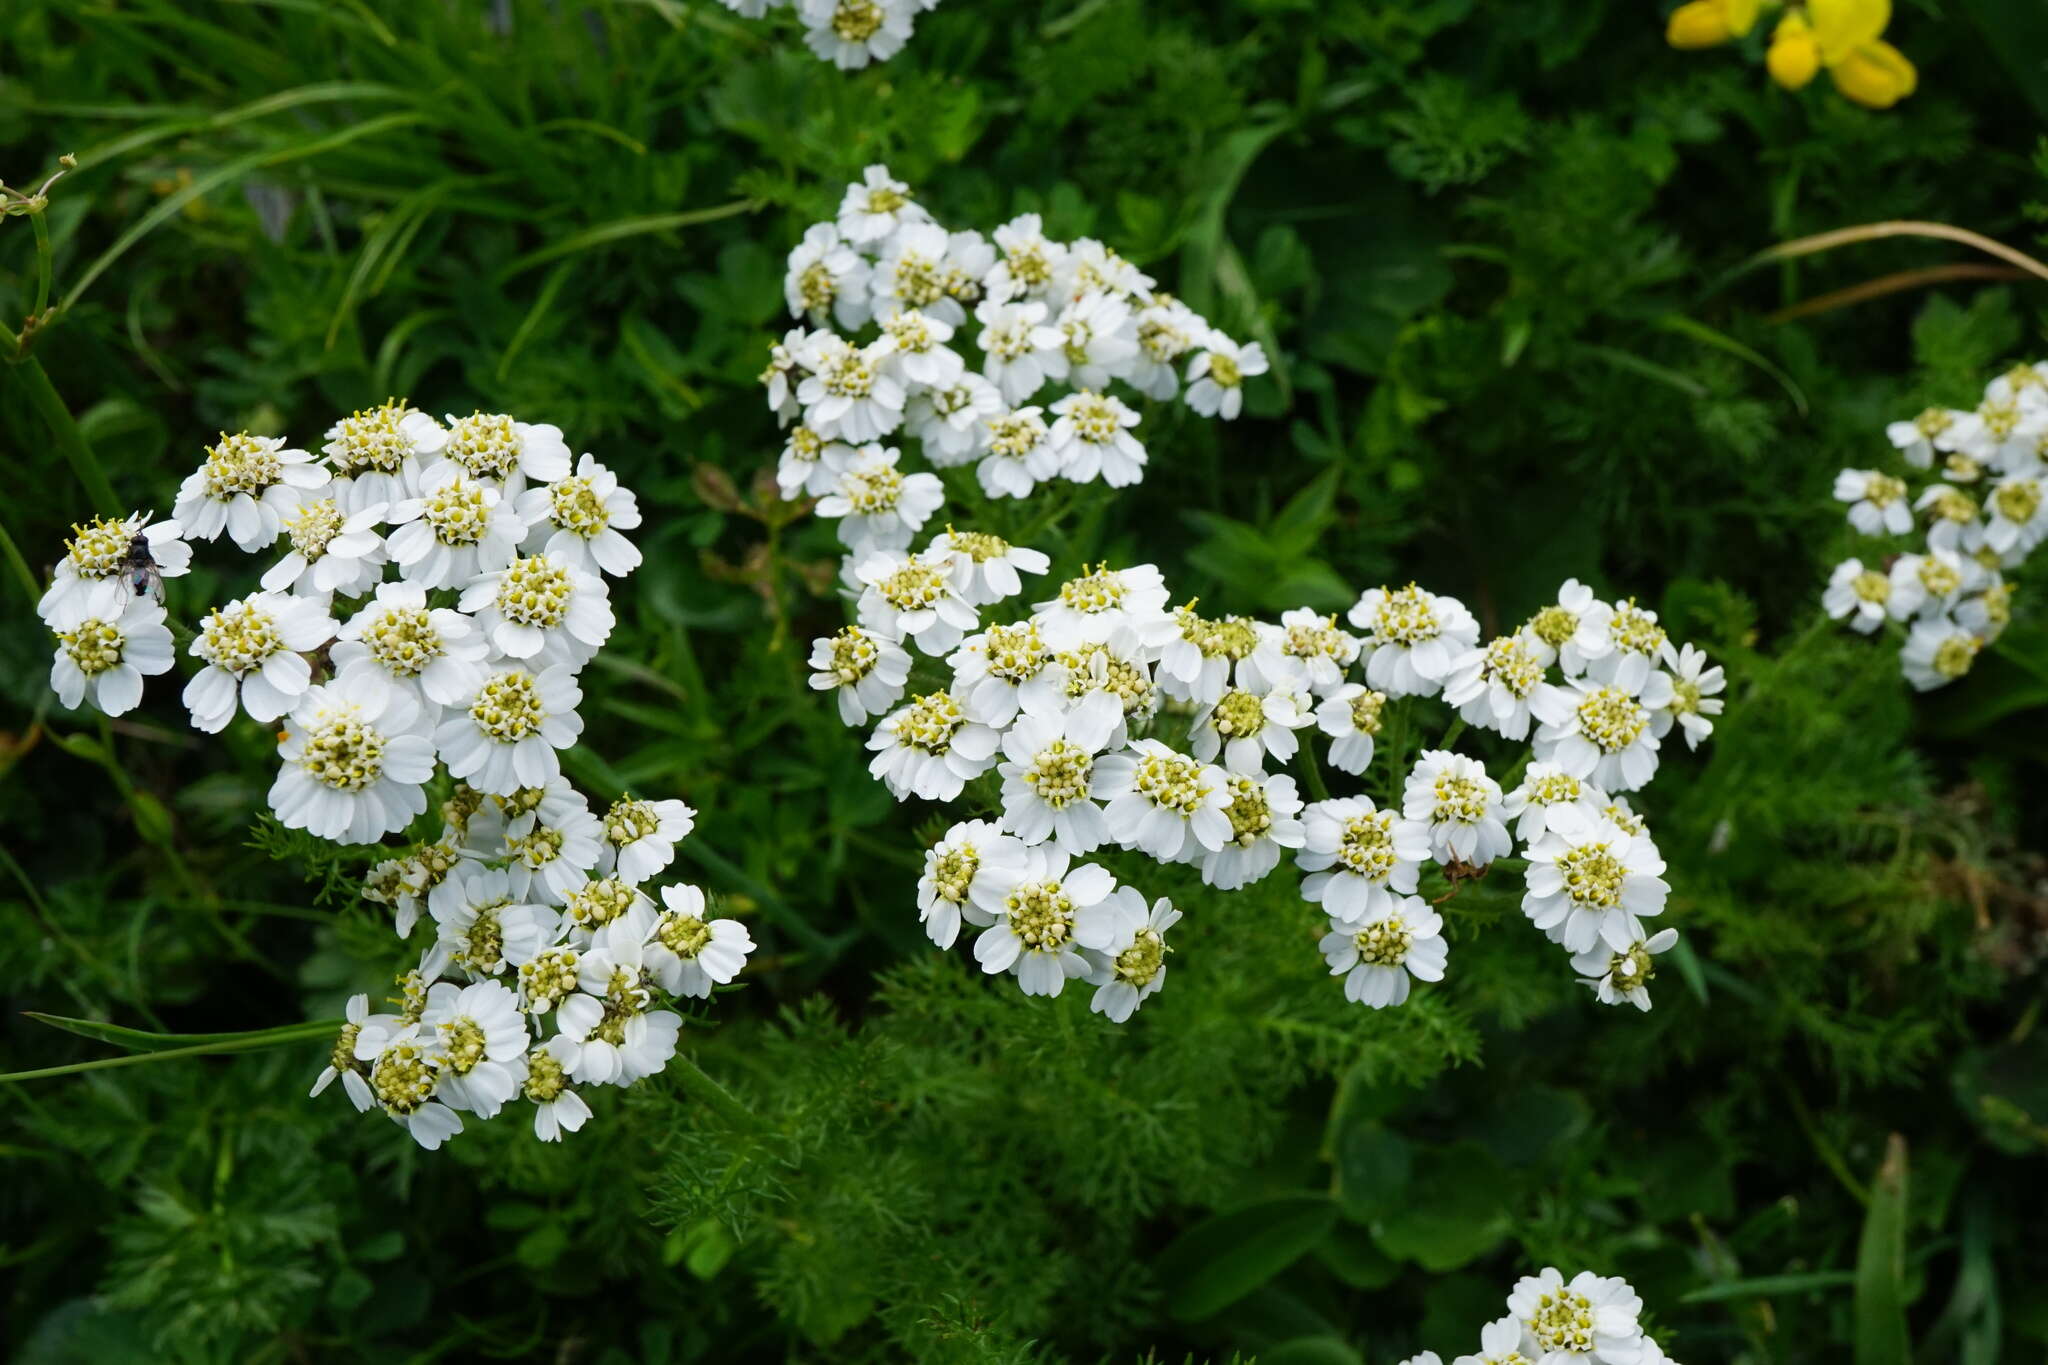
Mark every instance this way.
x=1881 y=1337
x=140 y=1040
x=1373 y=1166
x=1769 y=1286
x=1454 y=1209
x=1220 y=1260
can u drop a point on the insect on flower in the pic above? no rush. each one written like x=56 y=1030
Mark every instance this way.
x=140 y=571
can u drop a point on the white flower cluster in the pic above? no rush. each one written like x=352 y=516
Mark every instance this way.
x=1590 y=1320
x=1071 y=315
x=1949 y=597
x=440 y=588
x=1109 y=718
x=847 y=33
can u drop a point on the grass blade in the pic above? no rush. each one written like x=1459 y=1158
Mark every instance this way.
x=1881 y=1337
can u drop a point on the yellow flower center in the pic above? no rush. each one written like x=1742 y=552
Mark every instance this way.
x=313 y=525
x=94 y=645
x=1592 y=876
x=371 y=440
x=1059 y=773
x=403 y=640
x=1041 y=914
x=238 y=637
x=1172 y=782
x=1612 y=718
x=930 y=722
x=240 y=464
x=484 y=443
x=535 y=591
x=343 y=753
x=508 y=708
x=1140 y=962
x=1384 y=943
x=1405 y=617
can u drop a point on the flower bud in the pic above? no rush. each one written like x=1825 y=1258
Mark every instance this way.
x=1794 y=58
x=1706 y=23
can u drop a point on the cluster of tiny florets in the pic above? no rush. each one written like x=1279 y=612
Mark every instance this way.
x=1587 y=1320
x=847 y=33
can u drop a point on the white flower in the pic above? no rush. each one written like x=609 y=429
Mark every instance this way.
x=108 y=641
x=1262 y=814
x=355 y=764
x=1164 y=803
x=986 y=567
x=825 y=277
x=1988 y=613
x=1863 y=595
x=1573 y=631
x=405 y=884
x=953 y=419
x=1091 y=265
x=640 y=837
x=1304 y=653
x=1452 y=794
x=689 y=954
x=330 y=552
x=1930 y=584
x=457 y=528
x=930 y=748
x=479 y=1041
x=1216 y=376
x=1351 y=717
x=1377 y=957
x=504 y=733
x=342 y=1060
x=99 y=551
x=377 y=453
x=244 y=487
x=1246 y=725
x=405 y=1073
x=1590 y=881
x=1133 y=965
x=1098 y=341
x=2019 y=514
x=556 y=1108
x=1030 y=260
x=1694 y=695
x=1424 y=1358
x=1111 y=678
x=803 y=468
x=1617 y=975
x=1915 y=439
x=1500 y=1343
x=554 y=848
x=875 y=206
x=913 y=275
x=543 y=609
x=1591 y=1321
x=1637 y=640
x=1361 y=858
x=603 y=902
x=578 y=518
x=1549 y=798
x=1007 y=668
x=1049 y=779
x=881 y=508
x=967 y=873
x=912 y=597
x=256 y=644
x=851 y=33
x=482 y=925
x=1604 y=731
x=1020 y=454
x=1491 y=684
x=1196 y=662
x=1016 y=343
x=867 y=671
x=1412 y=636
x=915 y=351
x=1877 y=502
x=506 y=452
x=1167 y=330
x=1997 y=430
x=434 y=653
x=1103 y=602
x=1047 y=914
x=847 y=396
x=1092 y=438
x=620 y=1038
x=1951 y=514
x=1937 y=652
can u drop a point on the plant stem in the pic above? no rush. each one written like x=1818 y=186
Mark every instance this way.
x=273 y=1038
x=710 y=1093
x=42 y=395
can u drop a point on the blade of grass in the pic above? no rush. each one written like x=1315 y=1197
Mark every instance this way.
x=1881 y=1336
x=1895 y=283
x=143 y=1040
x=1700 y=332
x=605 y=233
x=1767 y=1286
x=262 y=1038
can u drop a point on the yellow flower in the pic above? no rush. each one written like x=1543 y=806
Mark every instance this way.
x=1705 y=23
x=1876 y=75
x=1843 y=26
x=1794 y=58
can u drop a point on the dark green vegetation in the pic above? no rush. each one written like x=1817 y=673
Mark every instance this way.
x=1491 y=246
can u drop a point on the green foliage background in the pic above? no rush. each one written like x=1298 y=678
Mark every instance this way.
x=1492 y=248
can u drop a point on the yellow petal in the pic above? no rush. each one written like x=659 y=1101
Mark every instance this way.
x=1742 y=15
x=1876 y=75
x=1794 y=57
x=1843 y=26
x=1699 y=23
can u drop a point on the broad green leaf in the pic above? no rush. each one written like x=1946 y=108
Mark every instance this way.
x=1455 y=1209
x=1220 y=1260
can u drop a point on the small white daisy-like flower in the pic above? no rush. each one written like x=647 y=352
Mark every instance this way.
x=1102 y=602
x=1167 y=329
x=621 y=1037
x=1049 y=777
x=1091 y=265
x=986 y=567
x=377 y=453
x=875 y=206
x=1016 y=342
x=1098 y=341
x=1877 y=502
x=436 y=653
x=1550 y=798
x=1132 y=967
x=966 y=875
x=1590 y=881
x=457 y=528
x=1246 y=725
x=1637 y=640
x=912 y=597
x=1572 y=631
x=1605 y=731
x=256 y=646
x=826 y=278
x=913 y=275
x=847 y=396
x=1914 y=439
x=1950 y=514
x=479 y=1039
x=2019 y=514
x=1351 y=716
x=952 y=420
x=879 y=506
x=1491 y=684
x=1988 y=613
x=1997 y=429
x=1197 y=660
x=1305 y=653
x=342 y=1060
x=1263 y=813
x=1937 y=652
x=1460 y=804
x=554 y=848
x=851 y=33
x=1005 y=669
x=602 y=902
x=640 y=836
x=865 y=670
x=483 y=926
x=330 y=552
x=355 y=764
x=1361 y=858
x=1091 y=437
x=1590 y=1321
x=915 y=351
x=244 y=487
x=1500 y=1343
x=1862 y=596
x=1216 y=376
x=1030 y=260
x=98 y=551
x=1695 y=696
x=803 y=469
x=1929 y=584
x=930 y=748
x=108 y=641
x=1164 y=803
x=1412 y=636
x=406 y=884
x=542 y=609
x=504 y=734
x=405 y=1074
x=1113 y=679
x=1020 y=454
x=687 y=953
x=579 y=518
x=504 y=451
x=1377 y=957
x=1048 y=912
x=1618 y=975
x=557 y=1109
